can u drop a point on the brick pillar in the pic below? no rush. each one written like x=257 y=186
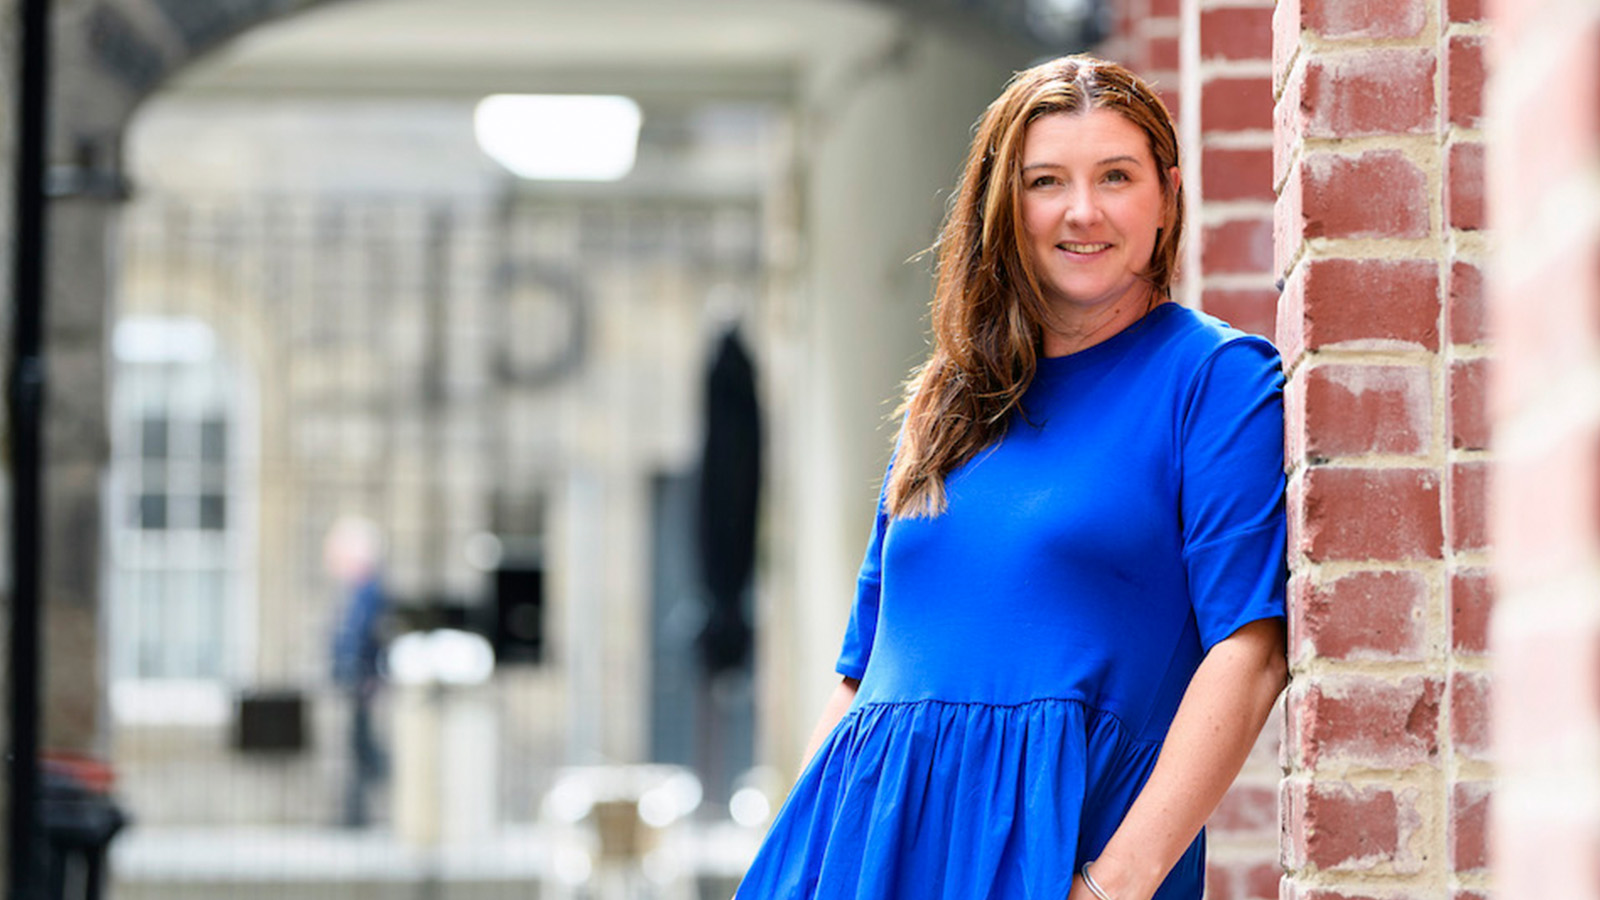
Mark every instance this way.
x=1377 y=167
x=1544 y=308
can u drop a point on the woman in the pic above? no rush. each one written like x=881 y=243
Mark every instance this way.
x=1068 y=628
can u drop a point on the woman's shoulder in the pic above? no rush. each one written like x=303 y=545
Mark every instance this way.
x=1192 y=339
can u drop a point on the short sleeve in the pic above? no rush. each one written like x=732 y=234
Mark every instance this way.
x=1232 y=489
x=863 y=624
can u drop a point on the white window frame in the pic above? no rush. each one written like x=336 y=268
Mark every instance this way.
x=177 y=364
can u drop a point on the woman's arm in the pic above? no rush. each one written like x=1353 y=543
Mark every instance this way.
x=837 y=705
x=1217 y=723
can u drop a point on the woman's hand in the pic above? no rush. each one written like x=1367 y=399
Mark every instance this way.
x=1217 y=723
x=838 y=704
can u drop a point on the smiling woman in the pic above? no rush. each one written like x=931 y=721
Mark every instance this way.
x=1068 y=626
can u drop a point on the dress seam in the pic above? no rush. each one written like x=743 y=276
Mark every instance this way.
x=1122 y=724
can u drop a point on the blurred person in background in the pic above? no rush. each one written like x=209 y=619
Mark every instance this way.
x=351 y=556
x=1068 y=628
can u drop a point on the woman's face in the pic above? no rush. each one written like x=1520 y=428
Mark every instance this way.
x=1091 y=205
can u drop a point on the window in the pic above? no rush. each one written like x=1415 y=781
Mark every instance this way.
x=176 y=525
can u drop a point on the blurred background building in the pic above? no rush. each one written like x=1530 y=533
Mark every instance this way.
x=291 y=283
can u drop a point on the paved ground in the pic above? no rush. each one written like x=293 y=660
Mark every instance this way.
x=688 y=863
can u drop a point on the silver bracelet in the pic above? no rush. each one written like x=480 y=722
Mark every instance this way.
x=1093 y=886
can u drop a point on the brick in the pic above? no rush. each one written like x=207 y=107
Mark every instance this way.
x=1262 y=881
x=1288 y=126
x=1381 y=91
x=1355 y=893
x=1164 y=8
x=1287 y=23
x=1349 y=828
x=1464 y=77
x=1163 y=54
x=1253 y=311
x=1464 y=187
x=1370 y=514
x=1239 y=103
x=1170 y=97
x=1246 y=810
x=1468 y=313
x=1547 y=676
x=1471 y=603
x=1362 y=616
x=1376 y=194
x=1469 y=400
x=1465 y=10
x=1240 y=246
x=1469 y=714
x=1291 y=328
x=1365 y=19
x=1365 y=721
x=1264 y=759
x=1219 y=882
x=1230 y=173
x=1376 y=304
x=1469 y=827
x=1546 y=326
x=1236 y=33
x=1288 y=224
x=1295 y=505
x=1356 y=409
x=1547 y=520
x=1510 y=17
x=1552 y=131
x=1469 y=522
x=1545 y=850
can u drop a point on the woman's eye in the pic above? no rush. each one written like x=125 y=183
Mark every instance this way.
x=1116 y=175
x=1042 y=181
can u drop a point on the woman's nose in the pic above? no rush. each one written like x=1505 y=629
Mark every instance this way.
x=1081 y=206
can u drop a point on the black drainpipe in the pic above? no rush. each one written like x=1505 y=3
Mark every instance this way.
x=26 y=407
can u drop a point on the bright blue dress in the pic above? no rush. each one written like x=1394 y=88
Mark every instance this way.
x=1022 y=655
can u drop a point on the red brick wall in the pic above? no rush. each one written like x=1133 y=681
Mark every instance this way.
x=1228 y=87
x=1543 y=138
x=1146 y=41
x=1378 y=167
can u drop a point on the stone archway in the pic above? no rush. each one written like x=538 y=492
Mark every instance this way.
x=111 y=56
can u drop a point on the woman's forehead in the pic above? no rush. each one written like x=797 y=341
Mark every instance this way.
x=1084 y=136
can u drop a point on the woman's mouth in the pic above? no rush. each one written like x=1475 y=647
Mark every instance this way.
x=1082 y=249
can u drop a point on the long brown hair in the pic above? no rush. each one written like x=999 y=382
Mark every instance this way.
x=988 y=309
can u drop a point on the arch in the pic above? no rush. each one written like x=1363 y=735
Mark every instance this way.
x=115 y=53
